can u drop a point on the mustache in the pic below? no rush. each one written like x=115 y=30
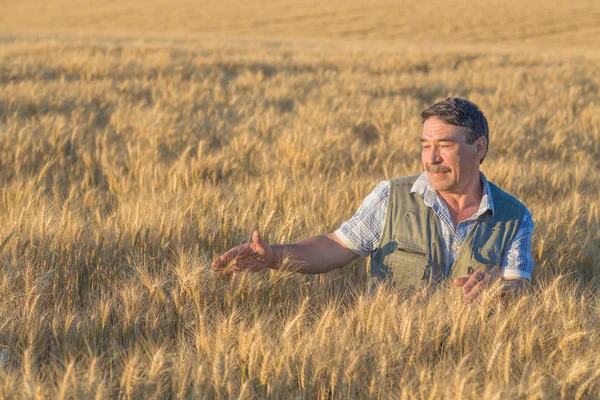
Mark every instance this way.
x=437 y=168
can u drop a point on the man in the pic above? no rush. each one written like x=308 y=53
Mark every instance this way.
x=447 y=222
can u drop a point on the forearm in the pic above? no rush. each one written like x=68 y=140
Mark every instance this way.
x=314 y=255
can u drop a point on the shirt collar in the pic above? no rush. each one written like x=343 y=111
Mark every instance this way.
x=423 y=187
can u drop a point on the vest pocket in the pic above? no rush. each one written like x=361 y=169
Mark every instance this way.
x=408 y=268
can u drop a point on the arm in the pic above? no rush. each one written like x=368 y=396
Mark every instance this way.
x=517 y=261
x=315 y=255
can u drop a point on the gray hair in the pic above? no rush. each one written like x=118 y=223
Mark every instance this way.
x=460 y=112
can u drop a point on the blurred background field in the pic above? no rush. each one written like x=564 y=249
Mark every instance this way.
x=140 y=140
x=534 y=23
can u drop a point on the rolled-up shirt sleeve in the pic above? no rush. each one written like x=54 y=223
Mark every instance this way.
x=517 y=261
x=362 y=232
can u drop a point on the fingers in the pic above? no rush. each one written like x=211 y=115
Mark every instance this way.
x=473 y=285
x=256 y=239
x=475 y=292
x=217 y=263
x=258 y=245
x=253 y=256
x=464 y=280
x=224 y=261
x=474 y=279
x=461 y=281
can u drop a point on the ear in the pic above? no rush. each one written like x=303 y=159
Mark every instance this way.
x=481 y=144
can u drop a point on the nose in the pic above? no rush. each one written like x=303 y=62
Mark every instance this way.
x=432 y=156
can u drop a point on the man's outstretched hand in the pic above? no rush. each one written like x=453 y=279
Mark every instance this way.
x=254 y=256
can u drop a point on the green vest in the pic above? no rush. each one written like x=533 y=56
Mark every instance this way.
x=411 y=251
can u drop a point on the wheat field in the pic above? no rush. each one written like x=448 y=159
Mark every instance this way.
x=139 y=141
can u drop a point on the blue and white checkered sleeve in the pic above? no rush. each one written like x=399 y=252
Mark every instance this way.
x=362 y=232
x=517 y=262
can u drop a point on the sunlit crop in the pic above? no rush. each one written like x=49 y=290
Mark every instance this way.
x=126 y=166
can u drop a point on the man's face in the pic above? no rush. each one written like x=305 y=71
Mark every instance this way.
x=451 y=163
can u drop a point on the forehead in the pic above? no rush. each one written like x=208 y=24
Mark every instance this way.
x=434 y=129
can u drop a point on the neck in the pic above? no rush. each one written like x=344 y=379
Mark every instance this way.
x=469 y=197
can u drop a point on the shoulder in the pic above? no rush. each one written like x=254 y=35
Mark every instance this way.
x=378 y=196
x=382 y=188
x=507 y=201
x=501 y=195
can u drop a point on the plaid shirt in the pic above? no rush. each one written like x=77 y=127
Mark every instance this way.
x=362 y=232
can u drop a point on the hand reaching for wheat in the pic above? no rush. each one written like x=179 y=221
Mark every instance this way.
x=254 y=256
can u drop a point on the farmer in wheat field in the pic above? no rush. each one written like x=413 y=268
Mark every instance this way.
x=447 y=222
